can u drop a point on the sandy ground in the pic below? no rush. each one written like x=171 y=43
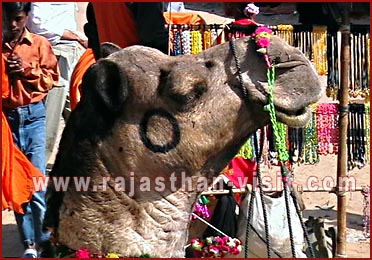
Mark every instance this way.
x=357 y=246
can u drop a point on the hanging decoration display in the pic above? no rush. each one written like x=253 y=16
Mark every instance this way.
x=333 y=57
x=319 y=49
x=359 y=69
x=356 y=136
x=359 y=64
x=367 y=132
x=285 y=31
x=310 y=146
x=192 y=39
x=366 y=211
x=320 y=135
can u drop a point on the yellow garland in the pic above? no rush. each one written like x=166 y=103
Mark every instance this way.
x=319 y=59
x=285 y=31
x=196 y=42
x=207 y=39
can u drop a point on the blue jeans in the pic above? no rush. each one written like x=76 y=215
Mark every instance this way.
x=28 y=129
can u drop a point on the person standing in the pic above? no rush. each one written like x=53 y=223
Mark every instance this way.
x=33 y=70
x=56 y=22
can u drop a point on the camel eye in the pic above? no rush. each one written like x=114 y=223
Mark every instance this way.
x=209 y=64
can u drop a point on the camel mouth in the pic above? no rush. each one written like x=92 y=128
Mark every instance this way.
x=289 y=64
x=298 y=118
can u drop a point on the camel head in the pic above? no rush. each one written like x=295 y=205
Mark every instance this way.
x=152 y=129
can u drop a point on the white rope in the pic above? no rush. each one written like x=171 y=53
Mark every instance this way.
x=208 y=224
x=205 y=222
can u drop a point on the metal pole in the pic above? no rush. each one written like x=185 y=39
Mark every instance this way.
x=343 y=125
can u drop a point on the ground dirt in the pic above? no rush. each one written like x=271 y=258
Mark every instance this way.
x=357 y=245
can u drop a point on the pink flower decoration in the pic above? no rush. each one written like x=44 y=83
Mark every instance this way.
x=82 y=253
x=262 y=29
x=263 y=42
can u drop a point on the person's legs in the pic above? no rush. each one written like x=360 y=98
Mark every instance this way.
x=28 y=127
x=24 y=221
x=35 y=141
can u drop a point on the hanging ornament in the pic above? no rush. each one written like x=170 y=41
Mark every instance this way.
x=196 y=42
x=177 y=45
x=319 y=49
x=310 y=146
x=366 y=211
x=285 y=32
x=327 y=128
x=186 y=41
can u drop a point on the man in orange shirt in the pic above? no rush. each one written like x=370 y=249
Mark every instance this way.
x=33 y=70
x=16 y=170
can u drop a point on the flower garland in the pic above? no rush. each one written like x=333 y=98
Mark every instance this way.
x=65 y=252
x=213 y=247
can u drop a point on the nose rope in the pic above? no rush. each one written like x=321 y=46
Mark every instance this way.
x=264 y=211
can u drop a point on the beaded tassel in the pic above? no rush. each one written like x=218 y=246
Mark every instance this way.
x=177 y=47
x=310 y=146
x=196 y=42
x=356 y=136
x=333 y=76
x=207 y=39
x=366 y=211
x=295 y=143
x=320 y=49
x=285 y=32
x=186 y=42
x=327 y=119
x=367 y=132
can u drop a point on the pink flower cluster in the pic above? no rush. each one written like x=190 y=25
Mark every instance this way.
x=262 y=35
x=213 y=247
x=202 y=211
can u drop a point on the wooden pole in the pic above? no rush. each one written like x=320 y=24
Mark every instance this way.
x=343 y=125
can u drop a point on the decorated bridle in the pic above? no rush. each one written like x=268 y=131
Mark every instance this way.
x=261 y=37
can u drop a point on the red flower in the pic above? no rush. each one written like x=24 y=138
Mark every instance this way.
x=82 y=253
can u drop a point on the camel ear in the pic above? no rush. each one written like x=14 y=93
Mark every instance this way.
x=107 y=86
x=108 y=48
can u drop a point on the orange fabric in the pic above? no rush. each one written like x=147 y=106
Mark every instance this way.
x=115 y=23
x=85 y=61
x=183 y=18
x=16 y=170
x=41 y=70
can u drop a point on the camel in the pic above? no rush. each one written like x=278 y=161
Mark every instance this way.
x=151 y=128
